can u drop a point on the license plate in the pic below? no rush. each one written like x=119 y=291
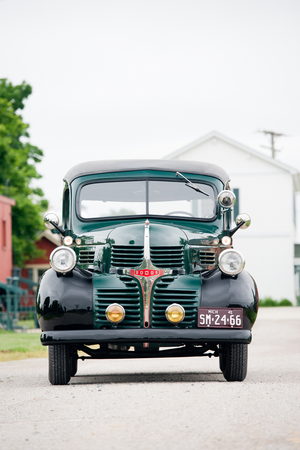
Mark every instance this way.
x=220 y=318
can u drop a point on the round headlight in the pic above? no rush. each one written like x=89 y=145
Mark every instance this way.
x=175 y=313
x=231 y=262
x=226 y=199
x=115 y=313
x=63 y=259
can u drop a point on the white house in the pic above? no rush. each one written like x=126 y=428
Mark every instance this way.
x=265 y=189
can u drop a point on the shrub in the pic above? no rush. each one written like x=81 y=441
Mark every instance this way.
x=269 y=302
x=285 y=302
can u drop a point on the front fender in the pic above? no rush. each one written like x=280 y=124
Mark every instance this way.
x=231 y=292
x=65 y=302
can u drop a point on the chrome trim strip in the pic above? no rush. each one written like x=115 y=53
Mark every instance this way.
x=147 y=273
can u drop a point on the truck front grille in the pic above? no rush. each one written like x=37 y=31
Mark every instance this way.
x=126 y=255
x=207 y=257
x=86 y=256
x=167 y=257
x=127 y=295
x=164 y=295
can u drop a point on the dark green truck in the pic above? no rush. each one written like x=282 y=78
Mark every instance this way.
x=146 y=268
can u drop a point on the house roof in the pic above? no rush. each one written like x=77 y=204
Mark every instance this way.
x=7 y=201
x=47 y=234
x=214 y=134
x=125 y=165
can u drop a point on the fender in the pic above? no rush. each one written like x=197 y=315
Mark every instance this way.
x=65 y=302
x=225 y=291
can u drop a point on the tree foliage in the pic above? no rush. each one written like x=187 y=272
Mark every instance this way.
x=17 y=170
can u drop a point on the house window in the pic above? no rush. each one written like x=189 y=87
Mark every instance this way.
x=4 y=236
x=66 y=208
x=41 y=272
x=236 y=208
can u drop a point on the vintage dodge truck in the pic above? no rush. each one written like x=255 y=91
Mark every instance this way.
x=146 y=268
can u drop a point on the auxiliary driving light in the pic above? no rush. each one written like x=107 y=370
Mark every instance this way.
x=68 y=240
x=175 y=313
x=226 y=240
x=115 y=313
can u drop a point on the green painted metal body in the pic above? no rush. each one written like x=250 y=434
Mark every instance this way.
x=183 y=255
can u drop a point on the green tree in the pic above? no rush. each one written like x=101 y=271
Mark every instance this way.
x=17 y=170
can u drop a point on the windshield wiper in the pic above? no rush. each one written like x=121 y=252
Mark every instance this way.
x=190 y=184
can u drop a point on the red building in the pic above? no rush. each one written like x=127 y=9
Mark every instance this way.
x=35 y=268
x=5 y=237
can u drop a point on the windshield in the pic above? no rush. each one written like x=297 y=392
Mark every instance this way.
x=146 y=197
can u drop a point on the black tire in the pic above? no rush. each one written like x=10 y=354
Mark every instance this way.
x=233 y=361
x=59 y=364
x=222 y=358
x=73 y=363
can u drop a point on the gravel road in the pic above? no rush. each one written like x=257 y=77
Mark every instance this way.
x=163 y=403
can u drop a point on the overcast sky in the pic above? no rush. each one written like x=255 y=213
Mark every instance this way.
x=142 y=78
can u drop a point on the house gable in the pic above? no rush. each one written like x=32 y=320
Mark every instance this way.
x=234 y=157
x=266 y=190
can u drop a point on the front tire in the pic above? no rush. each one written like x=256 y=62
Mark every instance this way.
x=73 y=363
x=59 y=357
x=233 y=361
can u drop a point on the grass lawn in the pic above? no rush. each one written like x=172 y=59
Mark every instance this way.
x=20 y=346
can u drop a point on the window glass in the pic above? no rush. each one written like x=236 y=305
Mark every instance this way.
x=126 y=198
x=130 y=198
x=177 y=199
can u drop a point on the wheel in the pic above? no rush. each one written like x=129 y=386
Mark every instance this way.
x=233 y=361
x=73 y=363
x=222 y=358
x=59 y=364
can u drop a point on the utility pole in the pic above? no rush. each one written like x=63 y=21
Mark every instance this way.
x=273 y=135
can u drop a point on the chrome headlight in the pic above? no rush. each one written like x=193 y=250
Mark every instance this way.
x=63 y=259
x=231 y=262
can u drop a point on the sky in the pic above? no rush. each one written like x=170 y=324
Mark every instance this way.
x=140 y=79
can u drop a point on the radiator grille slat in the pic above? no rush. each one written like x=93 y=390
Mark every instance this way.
x=167 y=257
x=127 y=296
x=126 y=255
x=164 y=296
x=86 y=256
x=207 y=257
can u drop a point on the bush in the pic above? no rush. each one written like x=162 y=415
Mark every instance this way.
x=285 y=302
x=269 y=302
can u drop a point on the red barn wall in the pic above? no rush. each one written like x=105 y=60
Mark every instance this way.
x=5 y=237
x=37 y=265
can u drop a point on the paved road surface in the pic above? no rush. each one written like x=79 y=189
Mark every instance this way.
x=161 y=404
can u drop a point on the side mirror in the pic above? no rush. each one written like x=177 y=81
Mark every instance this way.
x=51 y=221
x=243 y=217
x=226 y=199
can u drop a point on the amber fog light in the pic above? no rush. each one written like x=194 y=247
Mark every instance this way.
x=175 y=313
x=115 y=313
